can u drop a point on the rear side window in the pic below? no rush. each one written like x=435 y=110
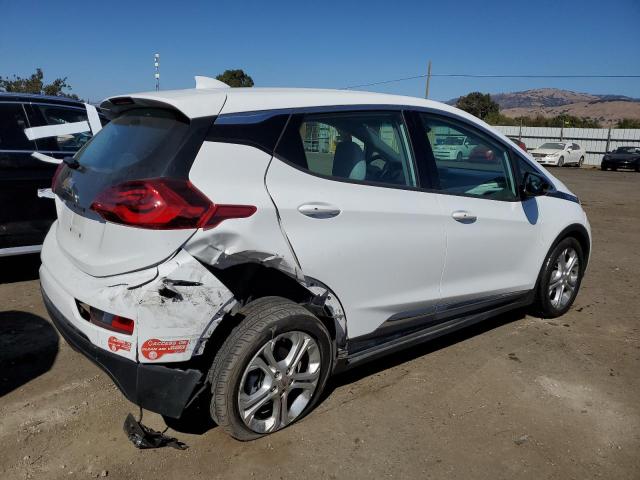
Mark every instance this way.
x=468 y=162
x=42 y=115
x=140 y=136
x=13 y=121
x=358 y=146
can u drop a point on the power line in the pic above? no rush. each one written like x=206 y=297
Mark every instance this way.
x=470 y=75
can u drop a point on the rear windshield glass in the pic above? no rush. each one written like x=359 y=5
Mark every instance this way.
x=137 y=136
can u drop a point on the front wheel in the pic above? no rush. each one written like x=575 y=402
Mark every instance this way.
x=561 y=162
x=459 y=157
x=271 y=370
x=580 y=162
x=560 y=278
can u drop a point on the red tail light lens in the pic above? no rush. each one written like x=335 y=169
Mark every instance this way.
x=163 y=204
x=56 y=175
x=115 y=323
x=122 y=324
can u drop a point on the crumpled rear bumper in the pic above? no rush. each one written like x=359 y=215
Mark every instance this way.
x=157 y=388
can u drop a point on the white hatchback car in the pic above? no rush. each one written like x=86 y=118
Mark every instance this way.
x=245 y=244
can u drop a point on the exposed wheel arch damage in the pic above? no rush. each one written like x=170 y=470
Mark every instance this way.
x=251 y=275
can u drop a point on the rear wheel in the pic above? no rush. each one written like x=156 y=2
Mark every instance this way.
x=560 y=278
x=271 y=370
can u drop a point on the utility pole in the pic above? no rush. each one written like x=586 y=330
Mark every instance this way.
x=426 y=95
x=156 y=64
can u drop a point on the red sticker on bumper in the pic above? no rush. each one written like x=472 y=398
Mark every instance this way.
x=116 y=344
x=154 y=348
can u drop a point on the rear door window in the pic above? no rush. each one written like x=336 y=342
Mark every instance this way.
x=358 y=146
x=43 y=115
x=13 y=121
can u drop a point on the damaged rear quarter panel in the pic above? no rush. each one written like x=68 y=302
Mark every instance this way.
x=178 y=310
x=234 y=174
x=172 y=304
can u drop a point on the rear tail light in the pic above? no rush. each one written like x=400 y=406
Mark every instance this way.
x=56 y=175
x=109 y=321
x=164 y=204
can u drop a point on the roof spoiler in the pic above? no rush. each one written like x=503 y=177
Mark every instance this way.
x=208 y=82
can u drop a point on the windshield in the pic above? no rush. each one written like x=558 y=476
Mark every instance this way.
x=451 y=141
x=137 y=136
x=552 y=146
x=626 y=150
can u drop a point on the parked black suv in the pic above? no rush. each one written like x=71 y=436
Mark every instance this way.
x=26 y=212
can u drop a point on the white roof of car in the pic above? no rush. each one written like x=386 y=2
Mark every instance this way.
x=200 y=102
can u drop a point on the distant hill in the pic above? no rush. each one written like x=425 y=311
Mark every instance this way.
x=549 y=102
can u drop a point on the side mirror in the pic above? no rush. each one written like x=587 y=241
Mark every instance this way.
x=534 y=185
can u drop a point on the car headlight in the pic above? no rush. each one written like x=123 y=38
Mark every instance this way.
x=553 y=155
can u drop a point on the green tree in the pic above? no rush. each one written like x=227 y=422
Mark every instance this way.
x=628 y=123
x=235 y=78
x=478 y=104
x=35 y=84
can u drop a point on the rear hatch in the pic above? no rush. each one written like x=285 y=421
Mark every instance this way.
x=97 y=229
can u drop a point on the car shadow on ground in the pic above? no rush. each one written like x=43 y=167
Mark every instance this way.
x=19 y=268
x=398 y=358
x=28 y=348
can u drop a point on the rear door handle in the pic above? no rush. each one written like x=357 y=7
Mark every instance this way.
x=463 y=216
x=319 y=210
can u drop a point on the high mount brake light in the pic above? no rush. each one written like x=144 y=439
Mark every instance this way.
x=163 y=204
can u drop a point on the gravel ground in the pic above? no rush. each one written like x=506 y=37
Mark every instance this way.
x=514 y=396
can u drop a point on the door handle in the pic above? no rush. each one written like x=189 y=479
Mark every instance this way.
x=463 y=216
x=319 y=210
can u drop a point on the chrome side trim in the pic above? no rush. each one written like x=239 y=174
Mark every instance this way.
x=11 y=251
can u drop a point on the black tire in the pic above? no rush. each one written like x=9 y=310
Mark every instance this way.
x=561 y=162
x=580 y=162
x=543 y=304
x=264 y=319
x=603 y=168
x=459 y=157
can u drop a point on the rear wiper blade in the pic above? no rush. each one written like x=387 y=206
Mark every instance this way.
x=71 y=162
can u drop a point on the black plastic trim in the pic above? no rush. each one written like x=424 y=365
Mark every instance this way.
x=562 y=196
x=405 y=324
x=431 y=332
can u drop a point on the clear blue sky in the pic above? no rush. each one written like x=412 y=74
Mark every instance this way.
x=106 y=47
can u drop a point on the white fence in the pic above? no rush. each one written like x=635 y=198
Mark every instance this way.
x=596 y=141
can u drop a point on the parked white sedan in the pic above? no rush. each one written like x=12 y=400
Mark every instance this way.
x=559 y=154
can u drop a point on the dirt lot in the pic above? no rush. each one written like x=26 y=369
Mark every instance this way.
x=514 y=397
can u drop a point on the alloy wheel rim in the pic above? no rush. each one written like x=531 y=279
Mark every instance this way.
x=279 y=382
x=564 y=278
